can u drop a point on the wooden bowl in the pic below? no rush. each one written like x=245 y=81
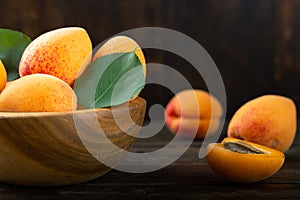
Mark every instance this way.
x=46 y=149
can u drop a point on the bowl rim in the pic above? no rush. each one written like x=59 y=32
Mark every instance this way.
x=8 y=114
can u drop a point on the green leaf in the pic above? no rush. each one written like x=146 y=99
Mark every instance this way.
x=110 y=80
x=12 y=46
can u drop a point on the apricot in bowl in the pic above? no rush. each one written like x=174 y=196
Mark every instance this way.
x=38 y=93
x=63 y=52
x=3 y=76
x=46 y=149
x=244 y=162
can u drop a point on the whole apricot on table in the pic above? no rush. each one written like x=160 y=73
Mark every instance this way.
x=191 y=111
x=64 y=53
x=38 y=93
x=121 y=44
x=3 y=76
x=268 y=120
x=244 y=162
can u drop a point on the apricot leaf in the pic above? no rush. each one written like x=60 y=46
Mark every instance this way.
x=110 y=80
x=12 y=45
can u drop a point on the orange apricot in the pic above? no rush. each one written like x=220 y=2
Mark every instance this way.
x=8 y=83
x=121 y=44
x=193 y=110
x=268 y=120
x=38 y=93
x=3 y=76
x=64 y=53
x=245 y=162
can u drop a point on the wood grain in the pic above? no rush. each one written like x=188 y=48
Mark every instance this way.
x=51 y=149
x=188 y=177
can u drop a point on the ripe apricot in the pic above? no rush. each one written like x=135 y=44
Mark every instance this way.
x=245 y=162
x=38 y=93
x=191 y=110
x=121 y=44
x=3 y=76
x=268 y=120
x=64 y=53
x=8 y=83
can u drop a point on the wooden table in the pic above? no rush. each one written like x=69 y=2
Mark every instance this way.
x=187 y=178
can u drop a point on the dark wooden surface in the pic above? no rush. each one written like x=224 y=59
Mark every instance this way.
x=256 y=46
x=187 y=178
x=255 y=43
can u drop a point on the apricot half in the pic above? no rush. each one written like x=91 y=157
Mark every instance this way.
x=245 y=162
x=269 y=120
x=193 y=111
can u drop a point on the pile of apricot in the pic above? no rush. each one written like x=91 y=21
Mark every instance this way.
x=49 y=66
x=258 y=134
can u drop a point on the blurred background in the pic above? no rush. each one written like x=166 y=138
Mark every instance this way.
x=255 y=44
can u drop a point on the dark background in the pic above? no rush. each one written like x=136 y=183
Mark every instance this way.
x=254 y=43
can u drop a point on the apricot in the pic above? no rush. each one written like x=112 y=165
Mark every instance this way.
x=3 y=76
x=8 y=83
x=38 y=93
x=268 y=120
x=64 y=53
x=245 y=162
x=121 y=44
x=191 y=110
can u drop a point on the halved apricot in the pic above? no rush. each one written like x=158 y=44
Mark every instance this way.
x=245 y=162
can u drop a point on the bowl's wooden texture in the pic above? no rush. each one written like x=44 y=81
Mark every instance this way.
x=45 y=149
